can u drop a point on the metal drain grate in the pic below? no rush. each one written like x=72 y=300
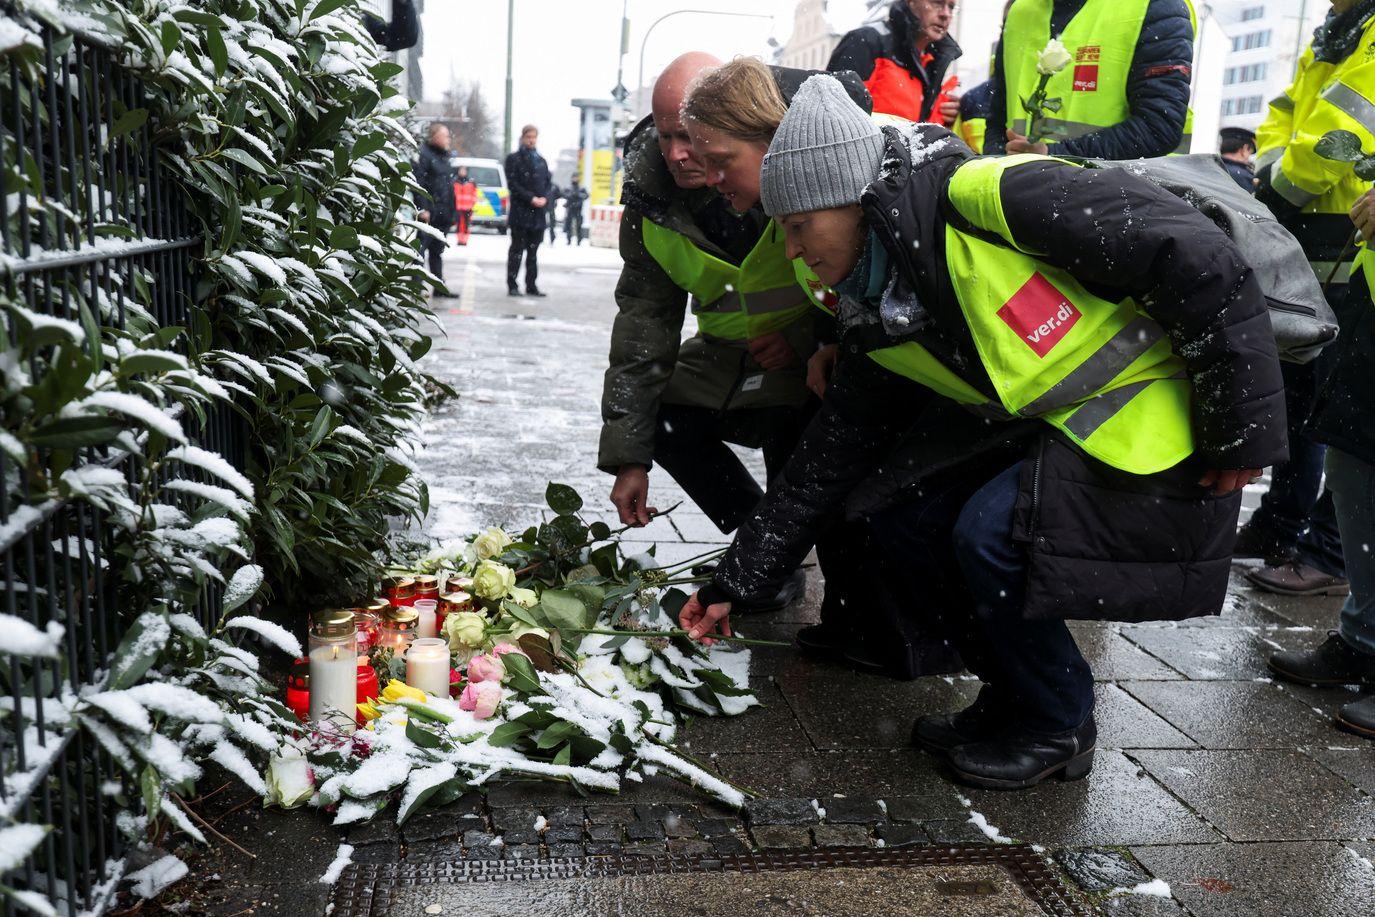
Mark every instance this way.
x=369 y=890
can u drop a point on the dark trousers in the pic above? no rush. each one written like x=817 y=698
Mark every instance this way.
x=553 y=228
x=1296 y=511
x=572 y=227
x=524 y=242
x=955 y=540
x=433 y=250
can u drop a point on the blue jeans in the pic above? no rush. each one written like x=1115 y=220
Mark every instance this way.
x=955 y=541
x=1352 y=483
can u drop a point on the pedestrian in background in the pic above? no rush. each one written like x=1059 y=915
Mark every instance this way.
x=903 y=60
x=1125 y=93
x=551 y=209
x=1237 y=147
x=572 y=213
x=1120 y=505
x=972 y=124
x=1295 y=528
x=527 y=178
x=1344 y=419
x=465 y=199
x=434 y=173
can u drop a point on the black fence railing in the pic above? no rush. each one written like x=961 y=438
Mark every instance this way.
x=88 y=218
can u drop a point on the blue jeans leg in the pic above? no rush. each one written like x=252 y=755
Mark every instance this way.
x=1353 y=490
x=1321 y=545
x=1287 y=507
x=1034 y=664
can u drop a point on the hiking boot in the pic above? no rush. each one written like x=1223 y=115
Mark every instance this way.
x=1333 y=662
x=1019 y=759
x=1254 y=544
x=824 y=639
x=534 y=291
x=513 y=291
x=1297 y=578
x=938 y=733
x=1358 y=717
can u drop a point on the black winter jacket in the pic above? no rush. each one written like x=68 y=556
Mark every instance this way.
x=1103 y=543
x=527 y=177
x=861 y=48
x=435 y=174
x=1157 y=88
x=1345 y=414
x=401 y=33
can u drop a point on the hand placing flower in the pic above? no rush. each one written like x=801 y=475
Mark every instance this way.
x=493 y=581
x=481 y=699
x=491 y=543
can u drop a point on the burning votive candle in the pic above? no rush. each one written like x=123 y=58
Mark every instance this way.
x=333 y=667
x=427 y=666
x=453 y=603
x=427 y=623
x=398 y=628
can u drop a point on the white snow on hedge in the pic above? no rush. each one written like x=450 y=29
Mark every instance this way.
x=21 y=638
x=150 y=881
x=145 y=412
x=275 y=634
x=17 y=842
x=216 y=465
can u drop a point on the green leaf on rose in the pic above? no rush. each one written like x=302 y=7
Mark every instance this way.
x=421 y=736
x=520 y=674
x=507 y=734
x=562 y=499
x=565 y=609
x=1339 y=146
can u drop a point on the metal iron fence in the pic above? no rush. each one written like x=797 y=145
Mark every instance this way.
x=109 y=229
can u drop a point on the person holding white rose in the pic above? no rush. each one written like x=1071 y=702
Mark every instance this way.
x=1118 y=70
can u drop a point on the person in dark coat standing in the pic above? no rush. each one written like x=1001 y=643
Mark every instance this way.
x=572 y=213
x=401 y=33
x=1344 y=419
x=555 y=193
x=528 y=179
x=1122 y=504
x=434 y=172
x=1237 y=147
x=1158 y=67
x=903 y=60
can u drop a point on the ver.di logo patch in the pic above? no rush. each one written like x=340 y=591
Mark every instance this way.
x=1040 y=314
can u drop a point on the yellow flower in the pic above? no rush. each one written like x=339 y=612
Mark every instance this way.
x=397 y=689
x=368 y=711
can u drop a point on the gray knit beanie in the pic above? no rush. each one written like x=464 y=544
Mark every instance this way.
x=824 y=154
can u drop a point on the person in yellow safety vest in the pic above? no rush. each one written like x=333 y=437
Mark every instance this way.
x=1295 y=528
x=740 y=380
x=972 y=122
x=1120 y=330
x=1124 y=94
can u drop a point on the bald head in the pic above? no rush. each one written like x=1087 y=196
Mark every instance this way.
x=670 y=90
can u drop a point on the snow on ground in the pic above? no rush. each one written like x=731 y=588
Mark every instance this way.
x=342 y=858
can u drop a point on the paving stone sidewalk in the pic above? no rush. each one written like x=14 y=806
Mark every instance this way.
x=1234 y=790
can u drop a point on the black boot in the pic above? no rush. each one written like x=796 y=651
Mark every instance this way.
x=1019 y=759
x=823 y=639
x=1254 y=544
x=1358 y=717
x=1333 y=662
x=532 y=290
x=979 y=722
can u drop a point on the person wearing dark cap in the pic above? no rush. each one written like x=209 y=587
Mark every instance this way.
x=1237 y=146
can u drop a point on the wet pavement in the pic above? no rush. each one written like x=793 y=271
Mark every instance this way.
x=1233 y=790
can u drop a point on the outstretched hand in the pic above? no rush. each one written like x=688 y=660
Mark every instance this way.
x=702 y=620
x=1228 y=481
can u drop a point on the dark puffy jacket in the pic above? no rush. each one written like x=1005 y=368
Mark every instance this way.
x=1103 y=543
x=1345 y=415
x=435 y=174
x=1157 y=89
x=862 y=50
x=401 y=33
x=527 y=177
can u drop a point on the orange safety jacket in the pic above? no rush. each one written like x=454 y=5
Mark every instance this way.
x=896 y=91
x=465 y=195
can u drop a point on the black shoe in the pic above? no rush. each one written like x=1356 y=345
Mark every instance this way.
x=1019 y=759
x=1253 y=544
x=979 y=722
x=1333 y=662
x=1358 y=717
x=533 y=291
x=513 y=291
x=824 y=639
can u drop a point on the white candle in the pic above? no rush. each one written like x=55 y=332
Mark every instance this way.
x=428 y=610
x=334 y=684
x=427 y=666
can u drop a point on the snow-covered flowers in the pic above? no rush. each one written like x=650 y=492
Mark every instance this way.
x=290 y=780
x=493 y=581
x=486 y=667
x=466 y=630
x=1053 y=58
x=491 y=543
x=481 y=698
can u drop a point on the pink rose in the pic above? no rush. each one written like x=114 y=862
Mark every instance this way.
x=481 y=698
x=486 y=668
x=501 y=649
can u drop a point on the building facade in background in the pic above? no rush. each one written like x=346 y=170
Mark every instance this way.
x=818 y=26
x=1266 y=38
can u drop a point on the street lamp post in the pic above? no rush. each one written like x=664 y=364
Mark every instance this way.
x=510 y=34
x=640 y=80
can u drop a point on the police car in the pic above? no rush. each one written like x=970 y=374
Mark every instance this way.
x=492 y=196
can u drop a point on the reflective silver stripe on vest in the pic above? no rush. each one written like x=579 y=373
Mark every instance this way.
x=1104 y=365
x=1264 y=159
x=1351 y=102
x=1282 y=102
x=759 y=302
x=1280 y=183
x=1084 y=422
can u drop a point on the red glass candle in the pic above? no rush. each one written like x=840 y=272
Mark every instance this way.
x=298 y=689
x=367 y=683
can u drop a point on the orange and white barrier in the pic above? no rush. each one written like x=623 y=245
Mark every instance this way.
x=604 y=227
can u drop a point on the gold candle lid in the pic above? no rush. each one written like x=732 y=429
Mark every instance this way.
x=454 y=600
x=427 y=585
x=377 y=607
x=401 y=617
x=333 y=622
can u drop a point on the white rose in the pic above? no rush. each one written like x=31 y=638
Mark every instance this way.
x=1053 y=58
x=465 y=629
x=492 y=581
x=290 y=781
x=522 y=596
x=491 y=543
